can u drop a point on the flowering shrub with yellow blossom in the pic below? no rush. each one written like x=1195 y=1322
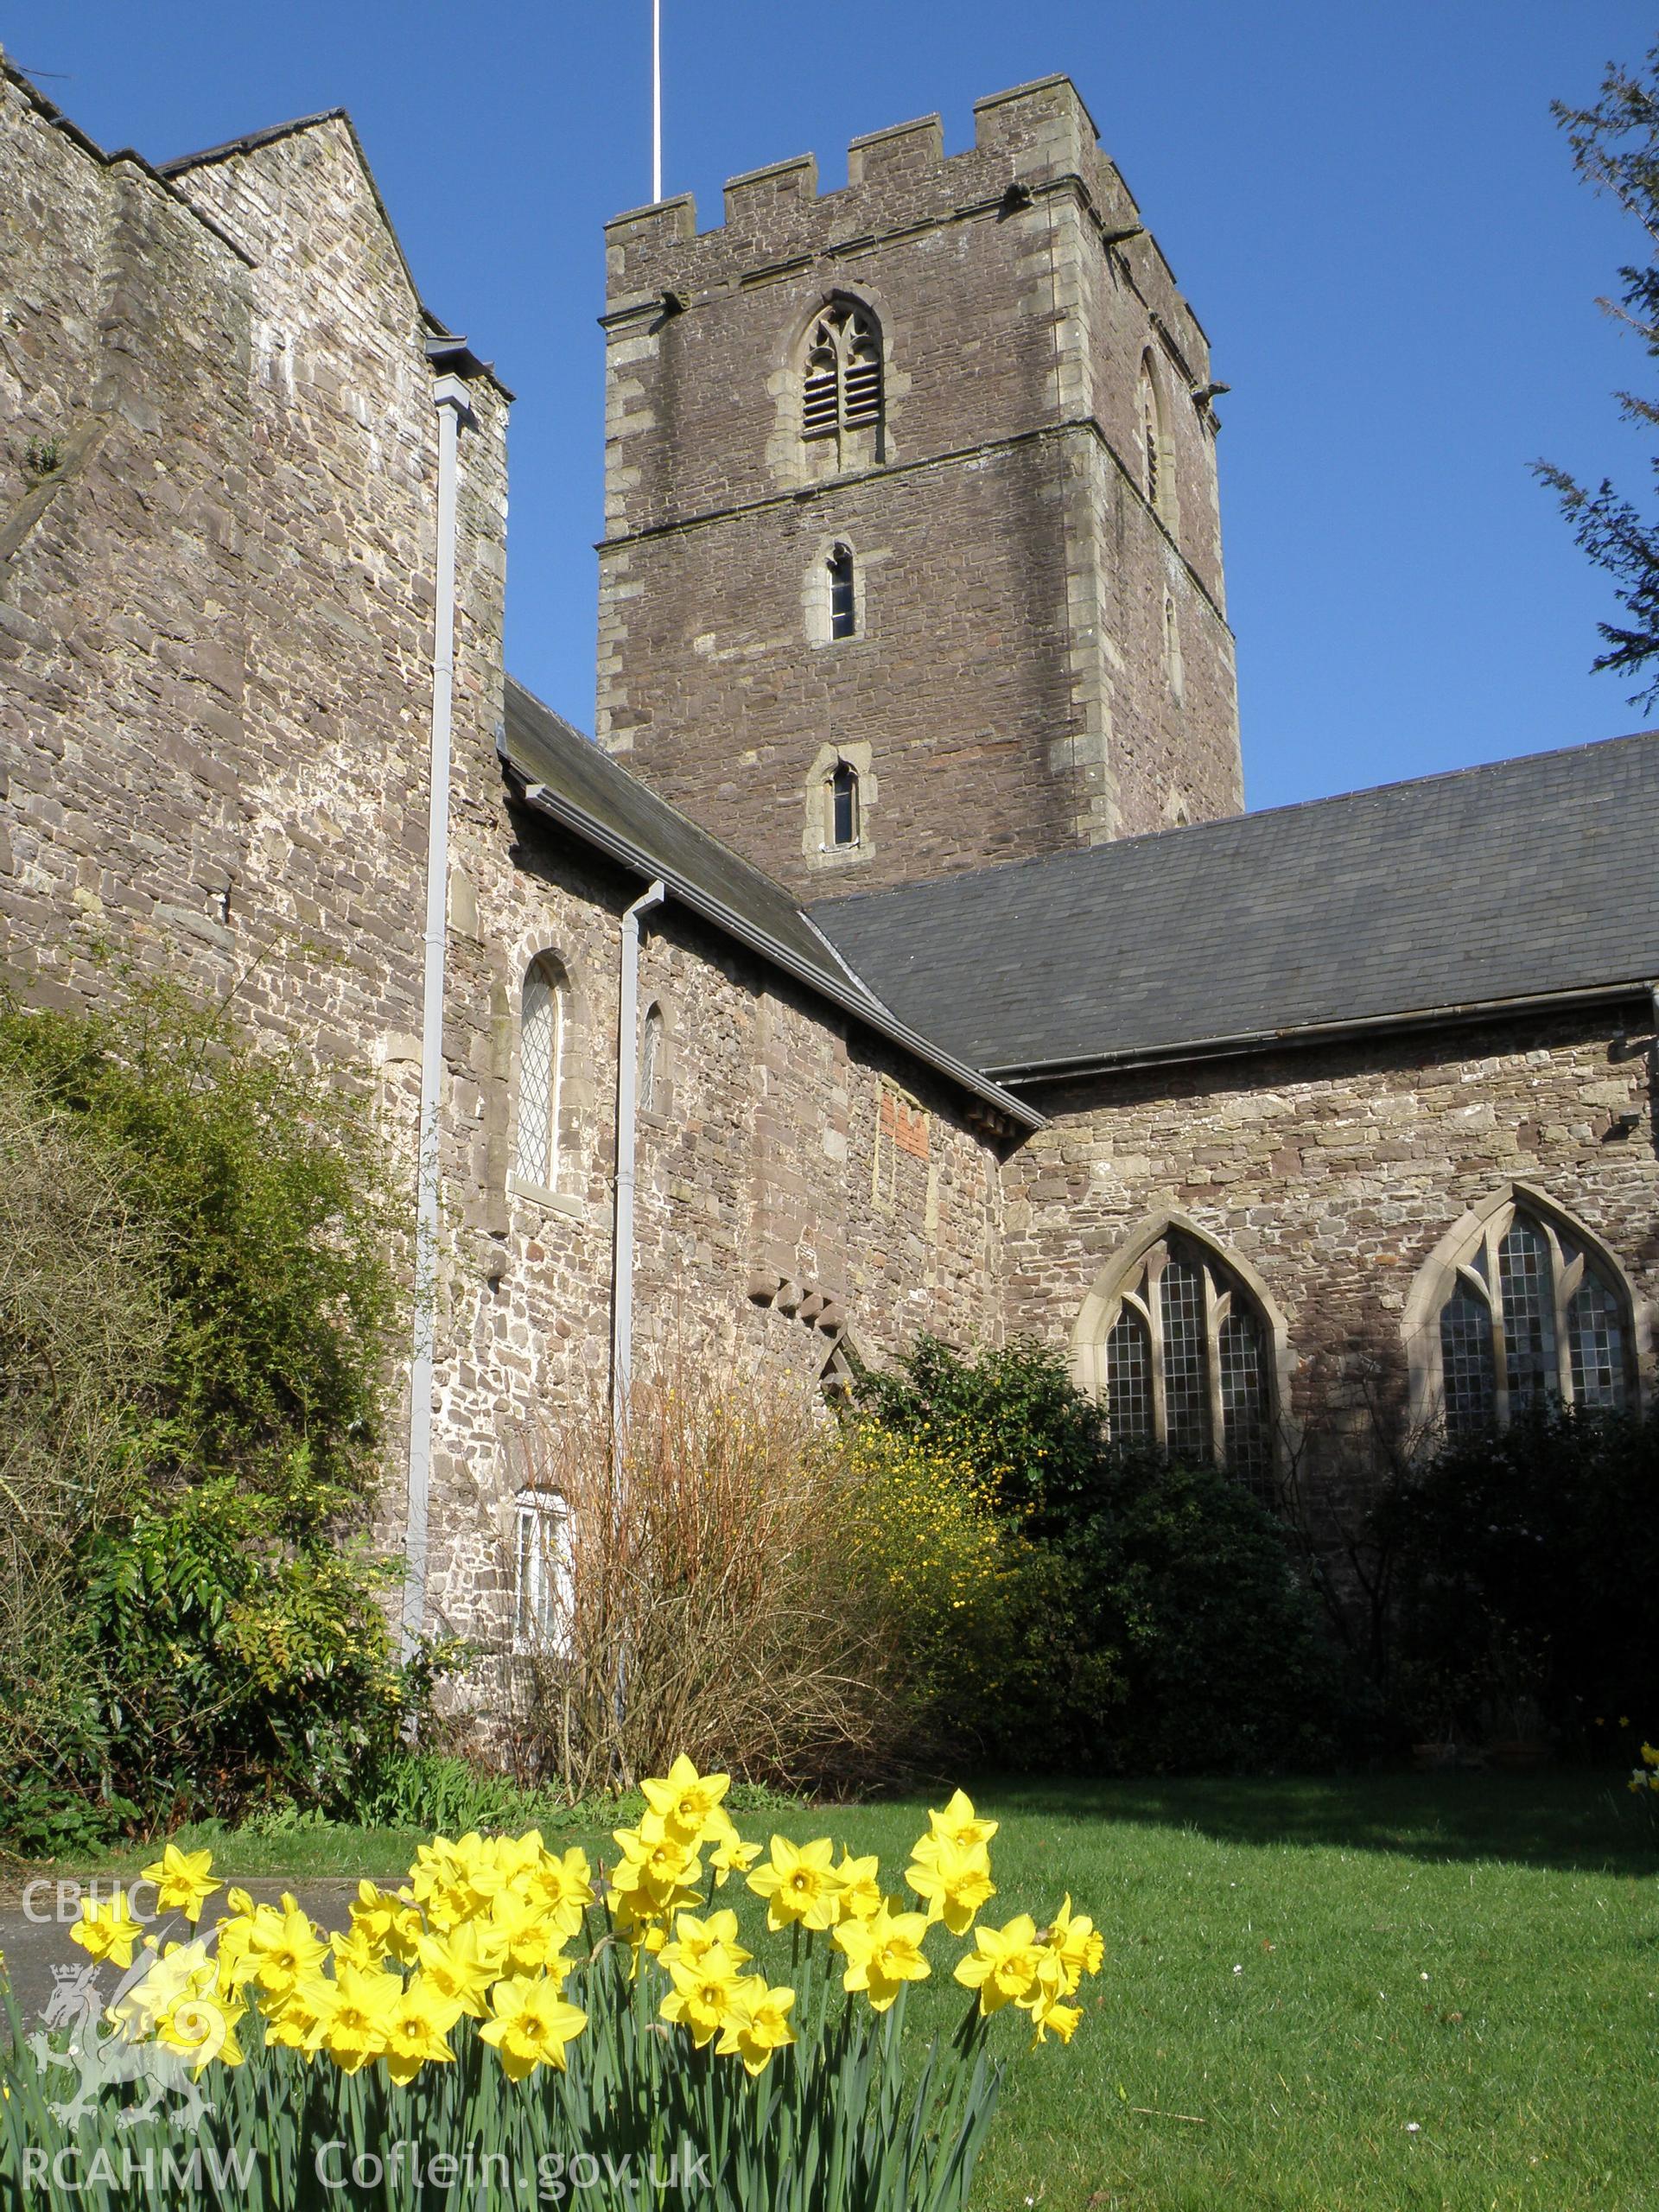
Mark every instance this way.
x=509 y=2005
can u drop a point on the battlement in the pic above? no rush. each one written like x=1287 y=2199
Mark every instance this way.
x=1031 y=135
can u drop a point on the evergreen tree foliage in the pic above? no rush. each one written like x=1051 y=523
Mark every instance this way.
x=1615 y=151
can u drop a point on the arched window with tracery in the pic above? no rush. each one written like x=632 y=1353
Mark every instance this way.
x=1186 y=1365
x=840 y=372
x=541 y=1072
x=1526 y=1310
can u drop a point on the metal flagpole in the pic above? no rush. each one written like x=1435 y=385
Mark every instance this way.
x=656 y=99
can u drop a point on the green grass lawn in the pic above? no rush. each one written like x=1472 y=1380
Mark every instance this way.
x=1436 y=1992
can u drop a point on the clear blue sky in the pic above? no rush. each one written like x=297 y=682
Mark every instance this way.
x=1366 y=202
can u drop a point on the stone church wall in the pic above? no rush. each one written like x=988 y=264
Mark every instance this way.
x=1333 y=1173
x=797 y=1185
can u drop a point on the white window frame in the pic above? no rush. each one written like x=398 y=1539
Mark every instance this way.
x=543 y=1588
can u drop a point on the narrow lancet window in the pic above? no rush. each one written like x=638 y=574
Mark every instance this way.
x=843 y=601
x=843 y=803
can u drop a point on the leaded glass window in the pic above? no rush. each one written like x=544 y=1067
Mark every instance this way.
x=1128 y=1378
x=541 y=1055
x=1246 y=1405
x=1466 y=1357
x=1186 y=1388
x=1531 y=1314
x=1186 y=1361
x=1595 y=1343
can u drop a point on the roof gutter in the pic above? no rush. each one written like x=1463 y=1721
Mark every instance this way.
x=1265 y=1040
x=867 y=1010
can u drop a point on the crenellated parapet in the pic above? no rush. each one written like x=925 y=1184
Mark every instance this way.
x=1037 y=139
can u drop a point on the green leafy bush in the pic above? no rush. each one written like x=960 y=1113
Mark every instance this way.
x=986 y=1615
x=198 y=1298
x=1158 y=1618
x=1523 y=1560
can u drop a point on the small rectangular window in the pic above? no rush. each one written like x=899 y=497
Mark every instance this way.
x=542 y=1591
x=843 y=804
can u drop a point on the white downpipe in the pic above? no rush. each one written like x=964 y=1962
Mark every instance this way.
x=656 y=100
x=449 y=394
x=627 y=1128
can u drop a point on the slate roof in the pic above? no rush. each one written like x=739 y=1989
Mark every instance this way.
x=564 y=775
x=1521 y=880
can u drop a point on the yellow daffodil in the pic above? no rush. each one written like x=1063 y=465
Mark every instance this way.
x=1005 y=1964
x=416 y=2023
x=695 y=1939
x=799 y=1885
x=860 y=1895
x=702 y=1992
x=460 y=1967
x=561 y=1887
x=387 y=1921
x=107 y=1931
x=883 y=1953
x=731 y=1855
x=757 y=2024
x=353 y=2016
x=685 y=1801
x=1077 y=1942
x=959 y=1823
x=1650 y=1755
x=284 y=1948
x=183 y=1881
x=530 y=2025
x=953 y=1881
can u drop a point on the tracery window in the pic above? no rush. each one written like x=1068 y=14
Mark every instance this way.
x=841 y=380
x=541 y=1582
x=1530 y=1313
x=1188 y=1363
x=541 y=1072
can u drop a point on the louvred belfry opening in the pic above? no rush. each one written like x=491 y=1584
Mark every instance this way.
x=841 y=383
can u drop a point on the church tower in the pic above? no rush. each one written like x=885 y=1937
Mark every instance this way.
x=912 y=549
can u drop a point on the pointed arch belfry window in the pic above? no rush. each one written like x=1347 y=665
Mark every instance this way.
x=1182 y=1354
x=842 y=371
x=1522 y=1307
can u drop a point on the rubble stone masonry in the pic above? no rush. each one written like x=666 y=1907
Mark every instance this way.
x=1333 y=1172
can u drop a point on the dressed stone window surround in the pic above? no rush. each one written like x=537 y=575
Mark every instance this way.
x=1185 y=1352
x=833 y=806
x=1520 y=1303
x=1155 y=457
x=545 y=1101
